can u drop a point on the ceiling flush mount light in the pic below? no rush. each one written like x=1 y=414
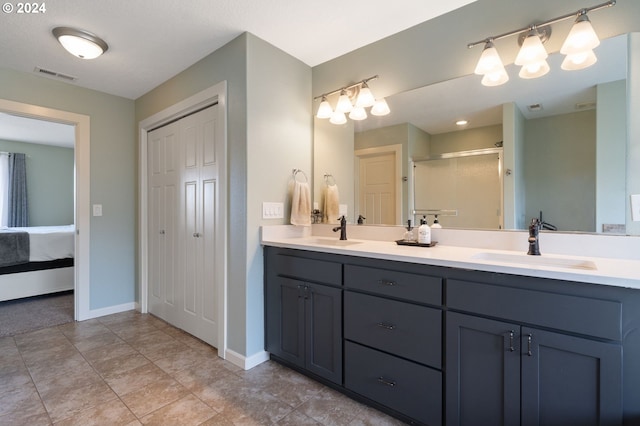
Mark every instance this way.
x=352 y=100
x=79 y=43
x=578 y=48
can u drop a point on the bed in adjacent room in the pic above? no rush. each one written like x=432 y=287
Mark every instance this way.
x=36 y=260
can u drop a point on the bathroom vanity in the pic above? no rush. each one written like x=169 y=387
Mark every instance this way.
x=431 y=340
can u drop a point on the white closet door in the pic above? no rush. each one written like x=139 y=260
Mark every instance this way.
x=199 y=260
x=163 y=185
x=185 y=264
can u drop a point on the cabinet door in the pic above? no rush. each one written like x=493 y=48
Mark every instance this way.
x=285 y=319
x=482 y=371
x=324 y=331
x=567 y=380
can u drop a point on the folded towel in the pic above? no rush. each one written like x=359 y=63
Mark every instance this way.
x=331 y=202
x=301 y=204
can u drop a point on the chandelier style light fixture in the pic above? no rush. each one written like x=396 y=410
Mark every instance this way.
x=81 y=44
x=352 y=100
x=532 y=57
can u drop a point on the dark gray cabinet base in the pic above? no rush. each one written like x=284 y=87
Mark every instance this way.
x=434 y=345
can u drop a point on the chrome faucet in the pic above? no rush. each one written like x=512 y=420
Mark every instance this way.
x=534 y=229
x=342 y=228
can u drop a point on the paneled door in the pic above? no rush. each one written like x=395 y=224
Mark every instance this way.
x=162 y=223
x=189 y=297
x=377 y=190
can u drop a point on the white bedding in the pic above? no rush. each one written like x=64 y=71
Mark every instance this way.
x=49 y=242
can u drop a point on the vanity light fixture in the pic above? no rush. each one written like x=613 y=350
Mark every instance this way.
x=578 y=48
x=380 y=108
x=352 y=100
x=325 y=110
x=81 y=44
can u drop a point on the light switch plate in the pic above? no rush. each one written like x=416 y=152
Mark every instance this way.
x=635 y=207
x=97 y=209
x=272 y=210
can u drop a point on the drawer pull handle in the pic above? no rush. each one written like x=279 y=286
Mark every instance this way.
x=529 y=338
x=386 y=326
x=384 y=381
x=387 y=283
x=511 y=348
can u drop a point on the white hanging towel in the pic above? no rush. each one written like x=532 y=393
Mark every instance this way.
x=301 y=204
x=331 y=198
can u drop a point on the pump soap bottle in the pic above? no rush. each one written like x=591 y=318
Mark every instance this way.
x=424 y=232
x=435 y=227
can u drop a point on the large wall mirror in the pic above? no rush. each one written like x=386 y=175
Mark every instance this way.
x=557 y=146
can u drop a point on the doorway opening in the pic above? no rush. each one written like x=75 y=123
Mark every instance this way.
x=81 y=179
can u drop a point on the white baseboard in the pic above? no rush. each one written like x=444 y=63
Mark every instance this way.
x=96 y=313
x=246 y=363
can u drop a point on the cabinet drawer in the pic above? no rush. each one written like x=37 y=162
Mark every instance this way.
x=401 y=285
x=410 y=331
x=307 y=269
x=583 y=315
x=406 y=387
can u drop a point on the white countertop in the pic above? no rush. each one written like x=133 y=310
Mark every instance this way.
x=614 y=272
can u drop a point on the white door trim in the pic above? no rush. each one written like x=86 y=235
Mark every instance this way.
x=82 y=198
x=379 y=150
x=216 y=93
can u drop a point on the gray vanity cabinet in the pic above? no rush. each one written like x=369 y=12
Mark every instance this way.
x=304 y=318
x=506 y=373
x=393 y=339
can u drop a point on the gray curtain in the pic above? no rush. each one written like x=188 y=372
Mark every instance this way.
x=18 y=208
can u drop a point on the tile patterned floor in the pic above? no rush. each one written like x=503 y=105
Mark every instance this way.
x=132 y=369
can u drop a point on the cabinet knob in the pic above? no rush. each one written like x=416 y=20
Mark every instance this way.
x=386 y=326
x=390 y=383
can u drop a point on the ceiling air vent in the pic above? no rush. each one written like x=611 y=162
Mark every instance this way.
x=585 y=105
x=534 y=107
x=55 y=74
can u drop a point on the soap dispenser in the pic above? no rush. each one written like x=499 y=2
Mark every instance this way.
x=424 y=232
x=409 y=236
x=435 y=229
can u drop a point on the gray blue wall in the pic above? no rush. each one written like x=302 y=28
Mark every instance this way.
x=113 y=177
x=50 y=189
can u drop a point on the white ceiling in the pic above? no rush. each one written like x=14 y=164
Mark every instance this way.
x=150 y=41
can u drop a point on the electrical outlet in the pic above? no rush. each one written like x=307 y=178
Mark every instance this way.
x=342 y=210
x=97 y=209
x=272 y=210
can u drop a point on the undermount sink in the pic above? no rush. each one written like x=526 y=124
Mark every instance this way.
x=332 y=242
x=526 y=260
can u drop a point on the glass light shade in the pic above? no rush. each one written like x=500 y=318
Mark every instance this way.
x=338 y=117
x=581 y=38
x=358 y=113
x=534 y=70
x=365 y=97
x=579 y=61
x=80 y=47
x=532 y=51
x=495 y=78
x=324 y=110
x=489 y=60
x=380 y=108
x=344 y=103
